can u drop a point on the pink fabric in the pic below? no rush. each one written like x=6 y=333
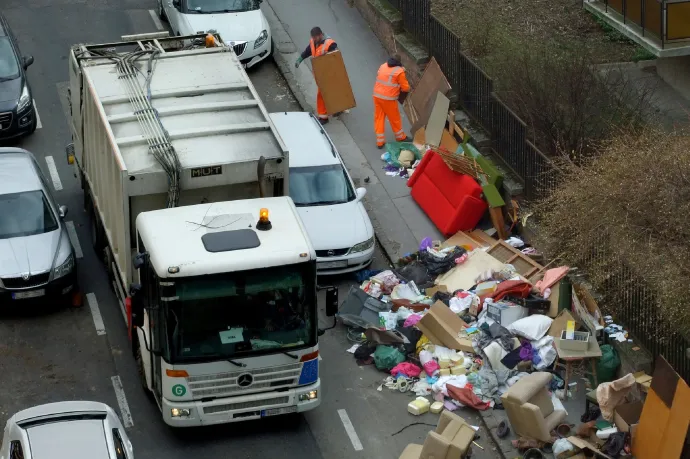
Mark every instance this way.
x=551 y=277
x=431 y=367
x=412 y=320
x=409 y=370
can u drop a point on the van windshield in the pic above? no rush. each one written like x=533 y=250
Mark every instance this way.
x=243 y=313
x=221 y=6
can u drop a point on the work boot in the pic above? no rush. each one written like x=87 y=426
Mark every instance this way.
x=323 y=121
x=380 y=147
x=406 y=139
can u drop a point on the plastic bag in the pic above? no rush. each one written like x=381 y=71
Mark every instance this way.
x=561 y=446
x=388 y=320
x=607 y=364
x=387 y=357
x=440 y=262
x=431 y=366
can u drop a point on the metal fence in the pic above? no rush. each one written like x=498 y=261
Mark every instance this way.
x=625 y=292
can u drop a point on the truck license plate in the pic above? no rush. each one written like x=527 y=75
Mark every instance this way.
x=277 y=411
x=28 y=294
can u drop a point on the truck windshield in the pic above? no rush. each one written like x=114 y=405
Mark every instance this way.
x=243 y=313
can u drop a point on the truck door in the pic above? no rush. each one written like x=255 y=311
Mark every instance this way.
x=156 y=331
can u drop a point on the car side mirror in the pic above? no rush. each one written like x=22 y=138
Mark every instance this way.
x=137 y=305
x=331 y=301
x=176 y=4
x=62 y=211
x=361 y=192
x=28 y=60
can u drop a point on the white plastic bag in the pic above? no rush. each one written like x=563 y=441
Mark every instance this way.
x=388 y=320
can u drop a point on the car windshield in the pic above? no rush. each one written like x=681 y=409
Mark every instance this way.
x=25 y=214
x=240 y=314
x=320 y=185
x=221 y=6
x=9 y=67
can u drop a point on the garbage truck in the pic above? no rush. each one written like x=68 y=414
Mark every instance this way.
x=185 y=180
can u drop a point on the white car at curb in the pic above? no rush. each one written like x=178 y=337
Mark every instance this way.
x=327 y=202
x=66 y=430
x=240 y=23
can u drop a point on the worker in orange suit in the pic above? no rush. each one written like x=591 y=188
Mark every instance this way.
x=390 y=82
x=319 y=45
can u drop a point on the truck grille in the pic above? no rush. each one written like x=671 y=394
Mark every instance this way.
x=32 y=281
x=244 y=405
x=332 y=252
x=5 y=120
x=239 y=48
x=225 y=384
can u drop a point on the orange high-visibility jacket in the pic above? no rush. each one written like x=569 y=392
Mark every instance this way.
x=389 y=82
x=322 y=48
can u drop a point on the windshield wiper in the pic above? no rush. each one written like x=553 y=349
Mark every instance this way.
x=291 y=355
x=325 y=203
x=237 y=364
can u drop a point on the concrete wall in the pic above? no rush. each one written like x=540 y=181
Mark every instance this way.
x=676 y=72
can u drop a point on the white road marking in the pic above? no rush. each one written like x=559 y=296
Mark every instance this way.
x=55 y=177
x=72 y=233
x=96 y=313
x=350 y=429
x=122 y=401
x=38 y=118
x=156 y=20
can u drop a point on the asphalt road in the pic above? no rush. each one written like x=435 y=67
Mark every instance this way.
x=58 y=355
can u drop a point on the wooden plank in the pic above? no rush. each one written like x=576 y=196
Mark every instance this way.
x=333 y=82
x=437 y=120
x=524 y=265
x=479 y=235
x=496 y=214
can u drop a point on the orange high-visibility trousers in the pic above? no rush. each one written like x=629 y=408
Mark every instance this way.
x=387 y=109
x=321 y=106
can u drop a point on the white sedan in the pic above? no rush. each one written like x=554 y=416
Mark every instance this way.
x=239 y=23
x=327 y=202
x=66 y=430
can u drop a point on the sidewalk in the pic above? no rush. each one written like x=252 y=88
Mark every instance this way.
x=399 y=223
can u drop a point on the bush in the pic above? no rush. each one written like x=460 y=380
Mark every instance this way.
x=623 y=216
x=568 y=103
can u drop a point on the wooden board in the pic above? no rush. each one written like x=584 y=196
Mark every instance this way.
x=433 y=80
x=524 y=265
x=437 y=120
x=464 y=276
x=331 y=78
x=473 y=240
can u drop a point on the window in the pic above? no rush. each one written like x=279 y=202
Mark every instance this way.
x=25 y=214
x=320 y=185
x=9 y=67
x=16 y=451
x=119 y=445
x=221 y=6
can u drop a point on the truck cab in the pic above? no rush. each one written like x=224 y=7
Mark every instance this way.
x=225 y=311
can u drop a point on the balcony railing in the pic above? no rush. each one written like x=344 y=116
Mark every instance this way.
x=662 y=23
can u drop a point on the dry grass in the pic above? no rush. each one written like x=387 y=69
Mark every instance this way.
x=561 y=23
x=625 y=215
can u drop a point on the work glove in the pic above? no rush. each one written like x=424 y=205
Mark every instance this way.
x=298 y=61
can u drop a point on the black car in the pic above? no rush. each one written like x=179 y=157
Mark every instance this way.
x=17 y=112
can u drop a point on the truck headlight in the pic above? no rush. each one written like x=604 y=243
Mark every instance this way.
x=179 y=412
x=313 y=395
x=362 y=246
x=24 y=99
x=263 y=36
x=65 y=268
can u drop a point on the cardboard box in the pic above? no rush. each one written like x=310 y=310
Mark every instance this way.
x=333 y=82
x=441 y=326
x=627 y=415
x=559 y=323
x=579 y=342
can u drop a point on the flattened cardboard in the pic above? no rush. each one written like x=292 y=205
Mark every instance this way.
x=333 y=82
x=431 y=291
x=441 y=326
x=464 y=276
x=448 y=141
x=664 y=381
x=433 y=80
x=587 y=445
x=589 y=302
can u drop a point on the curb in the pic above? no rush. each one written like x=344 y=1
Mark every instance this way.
x=302 y=85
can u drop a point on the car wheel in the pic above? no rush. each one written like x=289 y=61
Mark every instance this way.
x=161 y=11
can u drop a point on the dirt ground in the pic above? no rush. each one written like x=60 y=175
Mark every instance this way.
x=558 y=23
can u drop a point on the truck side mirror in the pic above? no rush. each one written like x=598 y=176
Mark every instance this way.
x=331 y=301
x=137 y=305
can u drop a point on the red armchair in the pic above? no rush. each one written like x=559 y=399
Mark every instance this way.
x=453 y=201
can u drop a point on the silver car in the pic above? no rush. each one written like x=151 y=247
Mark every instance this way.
x=69 y=430
x=36 y=256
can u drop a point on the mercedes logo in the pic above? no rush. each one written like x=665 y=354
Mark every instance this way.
x=245 y=380
x=330 y=253
x=26 y=276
